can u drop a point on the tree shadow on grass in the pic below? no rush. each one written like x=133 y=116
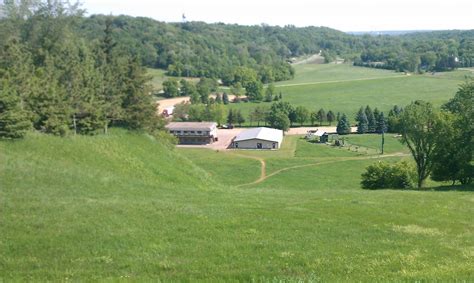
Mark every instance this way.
x=445 y=188
x=449 y=188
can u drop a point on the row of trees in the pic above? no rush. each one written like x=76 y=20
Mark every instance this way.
x=56 y=82
x=199 y=93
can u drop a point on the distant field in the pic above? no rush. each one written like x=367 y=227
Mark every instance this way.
x=158 y=77
x=383 y=93
x=313 y=73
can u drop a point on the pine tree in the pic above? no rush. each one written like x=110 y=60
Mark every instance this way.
x=140 y=110
x=343 y=126
x=14 y=121
x=362 y=122
x=381 y=123
x=371 y=122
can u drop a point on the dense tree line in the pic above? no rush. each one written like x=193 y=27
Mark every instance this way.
x=55 y=81
x=235 y=53
x=418 y=52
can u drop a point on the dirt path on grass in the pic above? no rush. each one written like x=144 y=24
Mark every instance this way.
x=264 y=176
x=263 y=169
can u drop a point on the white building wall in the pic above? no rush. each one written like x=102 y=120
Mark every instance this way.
x=252 y=144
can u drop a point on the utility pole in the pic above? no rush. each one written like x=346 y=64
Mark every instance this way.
x=383 y=140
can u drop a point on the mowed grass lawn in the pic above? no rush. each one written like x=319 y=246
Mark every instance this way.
x=126 y=207
x=382 y=91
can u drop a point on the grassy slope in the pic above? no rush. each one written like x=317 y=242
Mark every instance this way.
x=125 y=206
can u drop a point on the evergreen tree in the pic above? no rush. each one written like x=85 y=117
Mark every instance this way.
x=140 y=110
x=330 y=117
x=376 y=114
x=14 y=121
x=362 y=122
x=381 y=123
x=371 y=122
x=343 y=126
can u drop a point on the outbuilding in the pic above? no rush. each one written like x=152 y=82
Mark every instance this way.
x=193 y=132
x=258 y=138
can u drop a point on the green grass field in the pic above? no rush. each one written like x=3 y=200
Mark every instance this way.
x=128 y=207
x=354 y=87
x=125 y=207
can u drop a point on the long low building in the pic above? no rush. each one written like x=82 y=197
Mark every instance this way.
x=259 y=138
x=193 y=132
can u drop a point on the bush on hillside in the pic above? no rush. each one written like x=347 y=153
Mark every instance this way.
x=383 y=175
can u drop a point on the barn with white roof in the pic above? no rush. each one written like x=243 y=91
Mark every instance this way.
x=258 y=138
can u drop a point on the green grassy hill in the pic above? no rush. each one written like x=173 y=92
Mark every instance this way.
x=126 y=207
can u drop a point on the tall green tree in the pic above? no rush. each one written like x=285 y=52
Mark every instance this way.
x=14 y=121
x=371 y=121
x=321 y=115
x=418 y=128
x=451 y=157
x=302 y=114
x=139 y=107
x=343 y=126
x=381 y=123
x=362 y=122
x=279 y=120
x=269 y=92
x=171 y=88
x=254 y=90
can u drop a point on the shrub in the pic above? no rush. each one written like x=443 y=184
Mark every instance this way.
x=384 y=175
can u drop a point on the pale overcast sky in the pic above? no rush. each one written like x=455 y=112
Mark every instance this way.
x=345 y=15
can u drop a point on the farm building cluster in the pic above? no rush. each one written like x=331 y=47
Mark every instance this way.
x=261 y=138
x=202 y=133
